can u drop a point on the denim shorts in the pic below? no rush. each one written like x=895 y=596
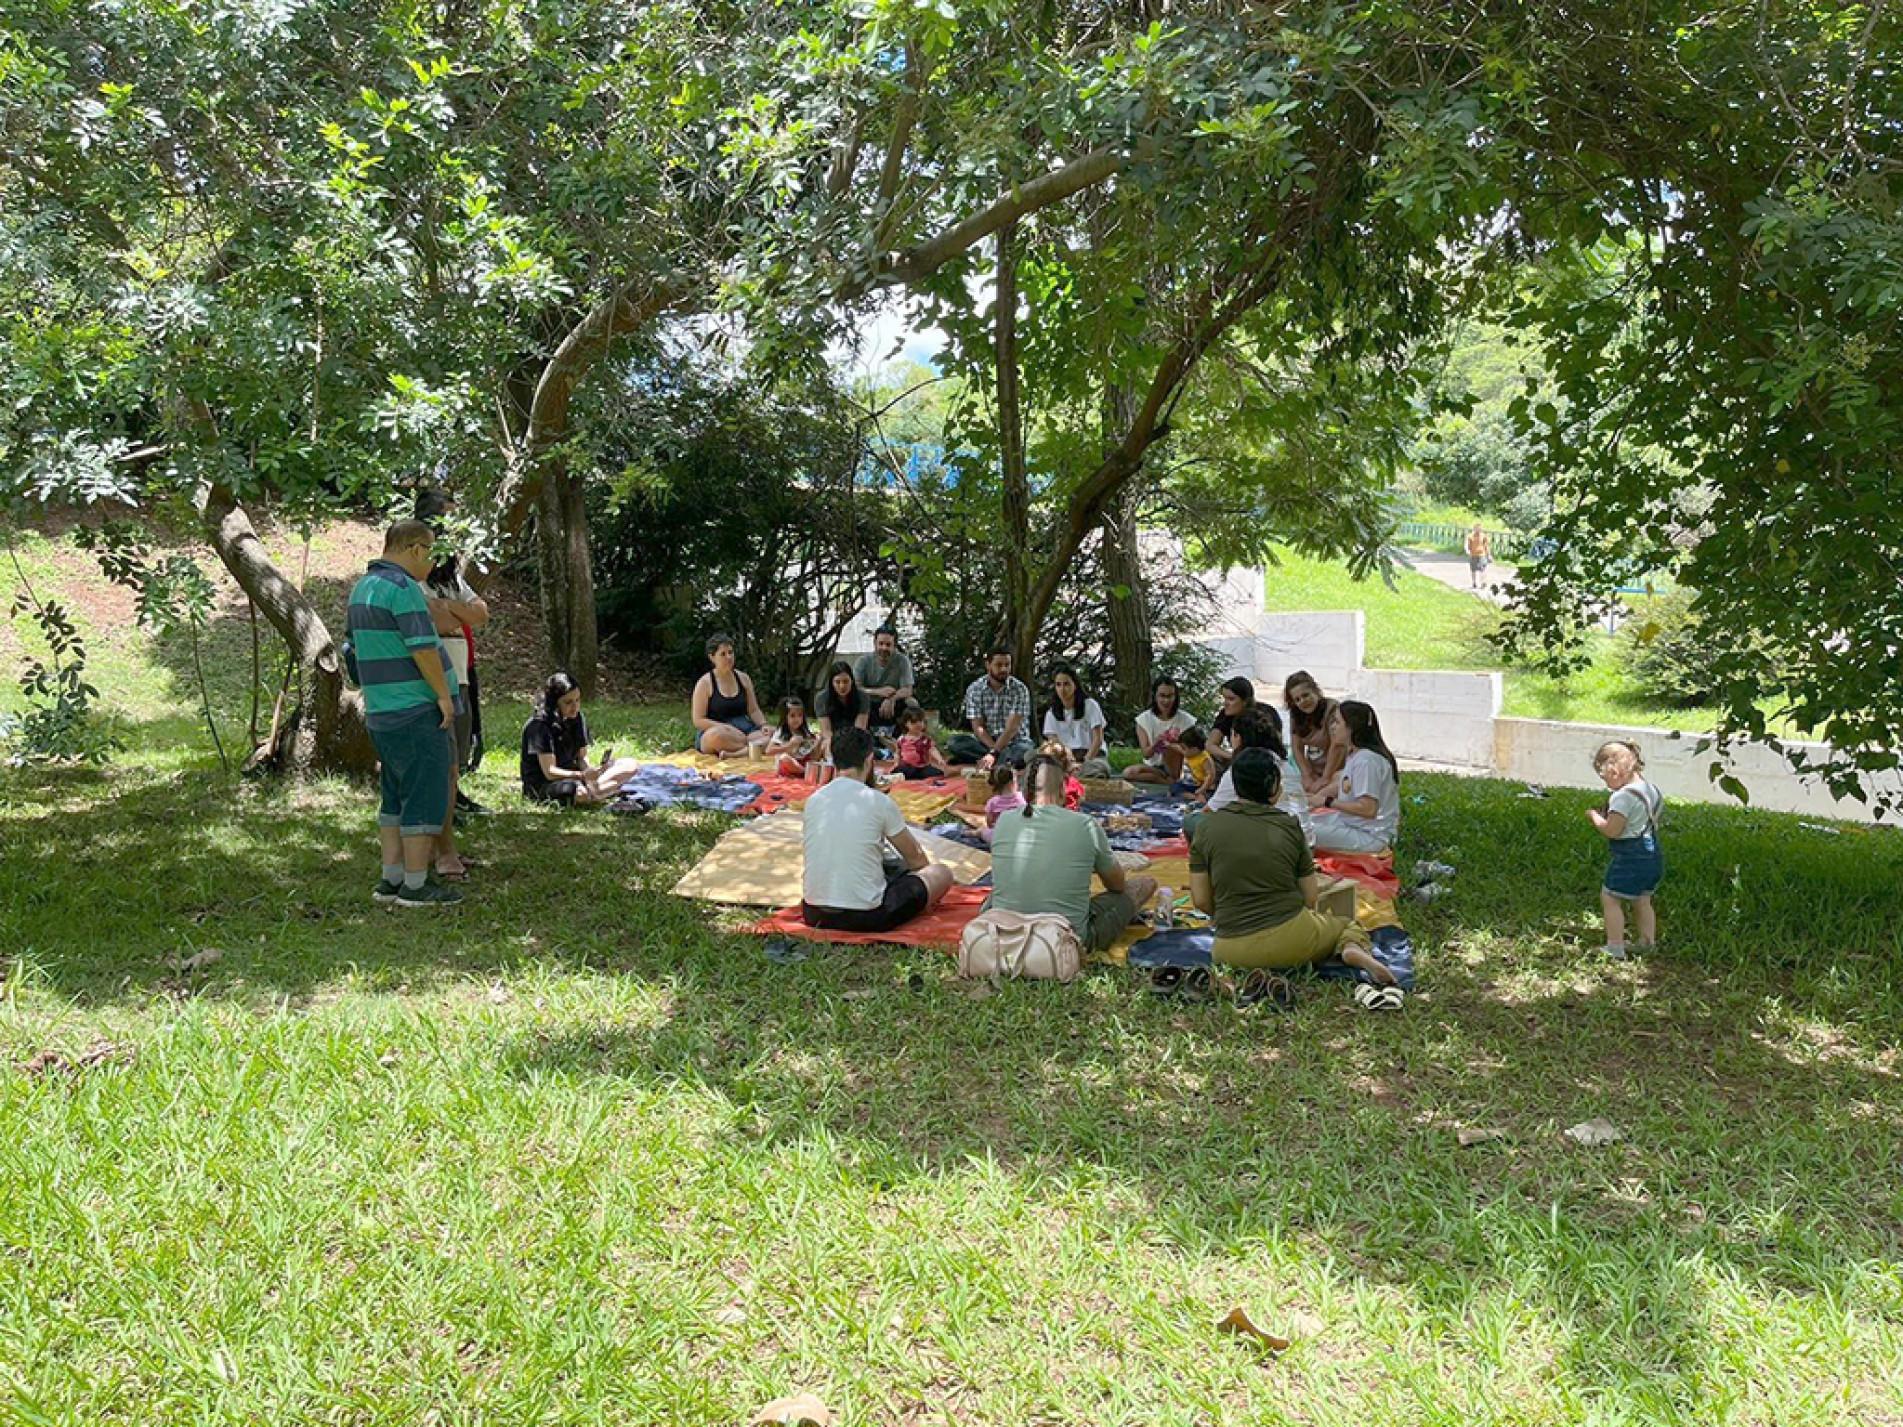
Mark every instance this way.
x=1637 y=865
x=741 y=722
x=416 y=756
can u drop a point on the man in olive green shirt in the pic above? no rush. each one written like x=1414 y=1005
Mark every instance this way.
x=1042 y=858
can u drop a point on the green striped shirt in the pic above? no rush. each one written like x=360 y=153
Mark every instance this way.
x=389 y=619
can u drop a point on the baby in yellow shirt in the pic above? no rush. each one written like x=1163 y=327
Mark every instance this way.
x=1198 y=767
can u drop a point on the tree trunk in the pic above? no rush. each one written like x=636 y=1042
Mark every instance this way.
x=1132 y=645
x=326 y=732
x=566 y=565
x=1018 y=631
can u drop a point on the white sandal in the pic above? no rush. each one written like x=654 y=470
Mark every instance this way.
x=1370 y=997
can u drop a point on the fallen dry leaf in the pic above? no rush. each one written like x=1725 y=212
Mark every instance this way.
x=1239 y=1325
x=100 y=1052
x=863 y=993
x=210 y=956
x=794 y=1411
x=732 y=1316
x=1477 y=1136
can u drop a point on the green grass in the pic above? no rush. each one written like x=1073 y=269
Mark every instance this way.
x=579 y=1153
x=1417 y=624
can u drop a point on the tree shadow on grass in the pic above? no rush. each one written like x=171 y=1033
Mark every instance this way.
x=1762 y=1116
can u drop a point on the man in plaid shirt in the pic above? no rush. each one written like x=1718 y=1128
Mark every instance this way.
x=999 y=709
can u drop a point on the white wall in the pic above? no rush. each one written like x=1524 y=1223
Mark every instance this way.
x=1330 y=645
x=1540 y=751
x=1434 y=717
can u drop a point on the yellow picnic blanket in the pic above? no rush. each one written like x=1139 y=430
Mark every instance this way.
x=759 y=863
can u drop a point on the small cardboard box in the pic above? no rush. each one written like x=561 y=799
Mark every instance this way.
x=1335 y=896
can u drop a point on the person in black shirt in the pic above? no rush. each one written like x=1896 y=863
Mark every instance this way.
x=555 y=767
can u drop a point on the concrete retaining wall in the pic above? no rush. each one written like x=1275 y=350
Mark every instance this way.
x=1331 y=645
x=1540 y=751
x=1436 y=717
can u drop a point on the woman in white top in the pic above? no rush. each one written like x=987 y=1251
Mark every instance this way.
x=1157 y=729
x=1361 y=811
x=1075 y=720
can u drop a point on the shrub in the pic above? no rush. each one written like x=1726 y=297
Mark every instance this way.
x=1677 y=655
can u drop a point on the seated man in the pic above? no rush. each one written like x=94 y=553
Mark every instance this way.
x=885 y=677
x=1251 y=870
x=847 y=884
x=1042 y=857
x=999 y=709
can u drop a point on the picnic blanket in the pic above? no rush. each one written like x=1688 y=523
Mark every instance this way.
x=759 y=863
x=920 y=801
x=1373 y=870
x=1185 y=947
x=657 y=785
x=940 y=927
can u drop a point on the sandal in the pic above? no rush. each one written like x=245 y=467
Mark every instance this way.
x=1197 y=985
x=1166 y=981
x=1260 y=986
x=1370 y=997
x=458 y=873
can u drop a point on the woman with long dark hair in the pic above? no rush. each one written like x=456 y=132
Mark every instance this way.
x=841 y=704
x=1361 y=810
x=1238 y=697
x=555 y=766
x=1315 y=738
x=1158 y=728
x=1076 y=720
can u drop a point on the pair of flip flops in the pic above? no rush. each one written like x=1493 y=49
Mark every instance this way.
x=1379 y=998
x=1195 y=983
x=1182 y=983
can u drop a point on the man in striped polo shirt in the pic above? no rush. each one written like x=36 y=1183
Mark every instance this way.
x=409 y=697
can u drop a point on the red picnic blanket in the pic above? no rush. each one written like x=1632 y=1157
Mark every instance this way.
x=941 y=926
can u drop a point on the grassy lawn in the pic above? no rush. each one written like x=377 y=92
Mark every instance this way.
x=1421 y=624
x=578 y=1151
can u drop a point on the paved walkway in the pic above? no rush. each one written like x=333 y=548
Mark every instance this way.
x=1451 y=570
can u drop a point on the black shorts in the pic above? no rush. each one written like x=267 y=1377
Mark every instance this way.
x=562 y=790
x=905 y=897
x=916 y=775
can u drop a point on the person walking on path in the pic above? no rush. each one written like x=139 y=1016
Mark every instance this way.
x=1479 y=553
x=409 y=697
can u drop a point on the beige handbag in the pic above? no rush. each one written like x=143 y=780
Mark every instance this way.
x=1003 y=946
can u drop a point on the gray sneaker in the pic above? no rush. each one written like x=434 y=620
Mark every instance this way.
x=430 y=894
x=387 y=892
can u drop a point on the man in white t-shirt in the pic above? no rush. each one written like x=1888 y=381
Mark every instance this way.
x=847 y=884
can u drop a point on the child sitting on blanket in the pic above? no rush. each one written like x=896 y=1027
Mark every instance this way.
x=1073 y=790
x=1630 y=825
x=1004 y=795
x=794 y=741
x=1199 y=769
x=918 y=754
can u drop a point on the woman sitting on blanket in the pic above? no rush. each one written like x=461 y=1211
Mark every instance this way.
x=555 y=767
x=727 y=717
x=1076 y=720
x=1238 y=697
x=794 y=742
x=1361 y=810
x=841 y=704
x=1158 y=729
x=1251 y=870
x=1316 y=738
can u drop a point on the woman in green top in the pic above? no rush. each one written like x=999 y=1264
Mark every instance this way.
x=1251 y=870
